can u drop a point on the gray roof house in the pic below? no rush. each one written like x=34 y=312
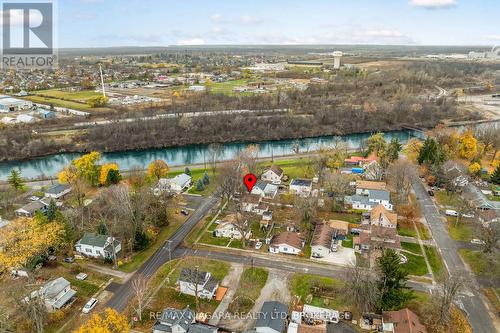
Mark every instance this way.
x=174 y=321
x=272 y=318
x=55 y=294
x=205 y=284
x=31 y=208
x=57 y=191
x=368 y=202
x=97 y=246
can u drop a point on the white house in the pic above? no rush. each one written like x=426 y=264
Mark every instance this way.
x=189 y=278
x=97 y=246
x=55 y=294
x=174 y=321
x=370 y=200
x=286 y=242
x=274 y=175
x=252 y=203
x=177 y=184
x=321 y=243
x=227 y=228
x=301 y=187
x=57 y=191
x=265 y=189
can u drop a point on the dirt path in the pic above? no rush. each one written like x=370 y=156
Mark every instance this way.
x=231 y=281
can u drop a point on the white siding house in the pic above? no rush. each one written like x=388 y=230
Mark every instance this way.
x=55 y=294
x=301 y=187
x=274 y=175
x=97 y=246
x=177 y=184
x=207 y=284
x=287 y=242
x=57 y=191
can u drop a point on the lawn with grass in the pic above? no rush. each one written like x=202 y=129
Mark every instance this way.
x=209 y=239
x=218 y=269
x=294 y=168
x=415 y=265
x=424 y=232
x=227 y=88
x=84 y=288
x=475 y=260
x=61 y=103
x=79 y=96
x=412 y=247
x=436 y=262
x=251 y=283
x=445 y=199
x=348 y=242
x=198 y=173
x=408 y=231
x=139 y=258
x=461 y=231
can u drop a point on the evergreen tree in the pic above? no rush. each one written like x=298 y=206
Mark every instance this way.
x=15 y=180
x=187 y=171
x=113 y=177
x=141 y=240
x=430 y=153
x=393 y=150
x=495 y=177
x=392 y=282
x=199 y=185
x=51 y=211
x=206 y=179
x=102 y=229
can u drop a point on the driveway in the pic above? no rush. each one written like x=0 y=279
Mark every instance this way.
x=343 y=257
x=231 y=281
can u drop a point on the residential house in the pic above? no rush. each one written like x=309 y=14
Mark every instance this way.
x=354 y=161
x=402 y=321
x=274 y=175
x=30 y=209
x=486 y=217
x=174 y=321
x=265 y=189
x=371 y=322
x=373 y=171
x=382 y=217
x=272 y=318
x=376 y=238
x=98 y=246
x=456 y=172
x=55 y=294
x=57 y=191
x=252 y=203
x=363 y=186
x=227 y=228
x=177 y=184
x=340 y=228
x=301 y=187
x=477 y=198
x=203 y=328
x=191 y=280
x=287 y=242
x=369 y=199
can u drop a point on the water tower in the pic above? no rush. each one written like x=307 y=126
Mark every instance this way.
x=336 y=59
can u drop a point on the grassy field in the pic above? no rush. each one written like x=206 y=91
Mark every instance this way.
x=348 y=242
x=251 y=283
x=445 y=199
x=406 y=230
x=436 y=262
x=415 y=265
x=475 y=260
x=210 y=239
x=59 y=103
x=227 y=87
x=77 y=96
x=463 y=231
x=412 y=247
x=294 y=168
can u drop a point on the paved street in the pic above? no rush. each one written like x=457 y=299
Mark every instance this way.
x=472 y=302
x=123 y=293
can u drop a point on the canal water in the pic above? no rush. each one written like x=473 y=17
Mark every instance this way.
x=49 y=166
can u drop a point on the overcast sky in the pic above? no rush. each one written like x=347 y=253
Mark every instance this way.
x=97 y=23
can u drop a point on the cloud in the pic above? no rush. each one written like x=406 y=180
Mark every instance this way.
x=433 y=4
x=385 y=33
x=247 y=19
x=191 y=41
x=217 y=18
x=495 y=38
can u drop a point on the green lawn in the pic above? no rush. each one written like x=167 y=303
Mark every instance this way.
x=139 y=258
x=415 y=265
x=78 y=96
x=208 y=238
x=406 y=231
x=348 y=242
x=197 y=173
x=61 y=103
x=218 y=269
x=446 y=199
x=463 y=231
x=412 y=247
x=436 y=262
x=251 y=283
x=475 y=260
x=349 y=217
x=227 y=87
x=294 y=168
x=84 y=288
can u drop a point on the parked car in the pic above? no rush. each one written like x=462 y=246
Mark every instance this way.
x=69 y=260
x=34 y=198
x=468 y=215
x=477 y=241
x=184 y=212
x=431 y=193
x=258 y=245
x=81 y=276
x=451 y=212
x=90 y=305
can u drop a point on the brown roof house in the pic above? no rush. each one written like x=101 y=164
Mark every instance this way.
x=322 y=240
x=382 y=217
x=402 y=321
x=287 y=242
x=376 y=238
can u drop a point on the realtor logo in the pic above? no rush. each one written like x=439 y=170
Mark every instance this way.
x=28 y=34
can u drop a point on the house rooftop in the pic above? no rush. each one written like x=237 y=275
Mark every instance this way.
x=403 y=321
x=273 y=315
x=379 y=210
x=189 y=275
x=93 y=239
x=276 y=169
x=370 y=185
x=289 y=238
x=301 y=182
x=58 y=188
x=33 y=206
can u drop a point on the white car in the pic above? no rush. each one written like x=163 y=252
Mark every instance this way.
x=477 y=241
x=451 y=212
x=468 y=215
x=258 y=245
x=34 y=198
x=81 y=276
x=90 y=305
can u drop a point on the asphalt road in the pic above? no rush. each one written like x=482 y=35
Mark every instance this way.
x=123 y=293
x=470 y=300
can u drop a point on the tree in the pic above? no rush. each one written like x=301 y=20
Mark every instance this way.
x=306 y=209
x=413 y=147
x=109 y=174
x=468 y=145
x=51 y=211
x=495 y=176
x=490 y=235
x=399 y=176
x=430 y=153
x=214 y=151
x=22 y=239
x=393 y=149
x=140 y=287
x=474 y=168
x=361 y=287
x=199 y=185
x=157 y=169
x=87 y=168
x=440 y=311
x=97 y=101
x=394 y=294
x=229 y=180
x=35 y=311
x=187 y=171
x=337 y=184
x=206 y=179
x=108 y=321
x=377 y=143
x=15 y=180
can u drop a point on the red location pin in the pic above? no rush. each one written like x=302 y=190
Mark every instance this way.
x=250 y=181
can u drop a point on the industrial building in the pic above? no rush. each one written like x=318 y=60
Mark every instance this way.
x=10 y=104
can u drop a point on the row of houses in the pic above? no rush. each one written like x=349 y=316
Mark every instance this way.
x=55 y=192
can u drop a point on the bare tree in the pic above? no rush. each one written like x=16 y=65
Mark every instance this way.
x=337 y=184
x=306 y=209
x=242 y=223
x=490 y=136
x=491 y=236
x=443 y=301
x=33 y=307
x=399 y=176
x=140 y=288
x=361 y=287
x=229 y=180
x=214 y=152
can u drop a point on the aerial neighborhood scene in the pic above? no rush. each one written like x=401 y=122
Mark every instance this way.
x=263 y=167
